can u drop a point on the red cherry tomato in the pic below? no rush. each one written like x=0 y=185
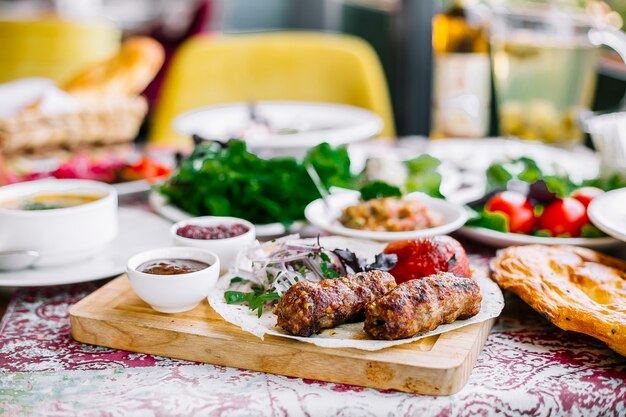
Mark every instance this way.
x=566 y=216
x=586 y=194
x=423 y=257
x=516 y=207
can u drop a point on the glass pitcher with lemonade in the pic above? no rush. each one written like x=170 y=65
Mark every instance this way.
x=544 y=66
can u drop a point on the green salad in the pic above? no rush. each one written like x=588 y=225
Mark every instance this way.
x=227 y=180
x=522 y=198
x=230 y=181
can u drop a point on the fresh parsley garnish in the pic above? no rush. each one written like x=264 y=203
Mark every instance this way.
x=324 y=257
x=255 y=299
x=379 y=189
x=238 y=279
x=328 y=272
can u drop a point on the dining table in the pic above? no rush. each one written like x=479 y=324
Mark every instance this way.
x=527 y=366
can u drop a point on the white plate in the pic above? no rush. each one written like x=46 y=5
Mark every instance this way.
x=139 y=230
x=336 y=124
x=501 y=240
x=608 y=213
x=159 y=203
x=319 y=215
x=350 y=335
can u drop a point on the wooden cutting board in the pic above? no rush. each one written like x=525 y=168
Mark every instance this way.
x=115 y=317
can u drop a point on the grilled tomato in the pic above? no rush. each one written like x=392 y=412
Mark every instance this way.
x=423 y=257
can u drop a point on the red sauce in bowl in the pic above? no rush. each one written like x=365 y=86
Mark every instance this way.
x=221 y=231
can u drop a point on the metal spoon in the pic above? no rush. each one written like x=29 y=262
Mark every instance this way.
x=17 y=259
x=317 y=181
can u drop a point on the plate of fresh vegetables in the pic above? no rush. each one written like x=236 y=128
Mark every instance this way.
x=526 y=205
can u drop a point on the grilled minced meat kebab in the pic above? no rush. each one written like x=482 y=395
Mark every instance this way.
x=308 y=307
x=421 y=305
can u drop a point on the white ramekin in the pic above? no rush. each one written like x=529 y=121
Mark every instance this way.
x=227 y=249
x=174 y=293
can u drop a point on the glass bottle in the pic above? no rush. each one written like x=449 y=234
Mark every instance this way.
x=461 y=73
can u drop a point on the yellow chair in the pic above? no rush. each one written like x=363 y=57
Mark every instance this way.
x=52 y=47
x=212 y=69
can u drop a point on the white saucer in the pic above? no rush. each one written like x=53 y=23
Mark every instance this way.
x=318 y=214
x=139 y=230
x=608 y=213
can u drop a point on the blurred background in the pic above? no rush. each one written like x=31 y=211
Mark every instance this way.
x=399 y=30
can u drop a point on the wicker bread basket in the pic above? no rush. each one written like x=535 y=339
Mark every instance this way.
x=105 y=123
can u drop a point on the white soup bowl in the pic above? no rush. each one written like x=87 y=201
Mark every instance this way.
x=61 y=235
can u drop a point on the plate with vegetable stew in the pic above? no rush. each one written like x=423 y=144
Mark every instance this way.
x=385 y=219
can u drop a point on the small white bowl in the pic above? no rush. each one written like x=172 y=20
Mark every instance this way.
x=227 y=249
x=174 y=293
x=62 y=235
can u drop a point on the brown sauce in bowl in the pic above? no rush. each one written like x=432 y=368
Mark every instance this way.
x=171 y=266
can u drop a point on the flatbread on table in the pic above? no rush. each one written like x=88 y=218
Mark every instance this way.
x=575 y=288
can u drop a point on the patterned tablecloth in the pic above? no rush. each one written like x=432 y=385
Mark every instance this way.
x=527 y=367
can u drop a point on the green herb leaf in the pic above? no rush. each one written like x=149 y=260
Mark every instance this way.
x=530 y=170
x=489 y=220
x=561 y=186
x=497 y=177
x=523 y=168
x=423 y=175
x=329 y=272
x=591 y=231
x=379 y=189
x=255 y=299
x=606 y=183
x=234 y=297
x=238 y=279
x=542 y=233
x=324 y=257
